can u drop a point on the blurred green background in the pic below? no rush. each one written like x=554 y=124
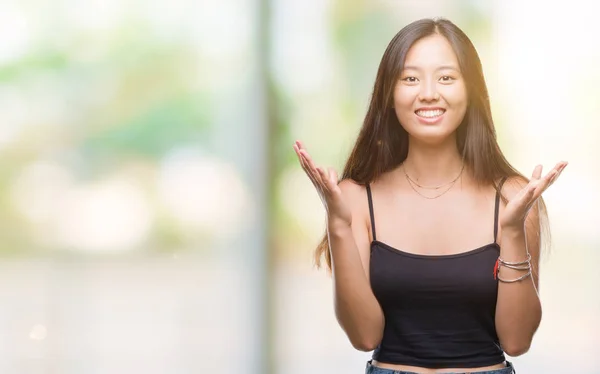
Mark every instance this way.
x=152 y=213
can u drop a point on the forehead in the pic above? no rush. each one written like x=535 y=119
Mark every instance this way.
x=431 y=52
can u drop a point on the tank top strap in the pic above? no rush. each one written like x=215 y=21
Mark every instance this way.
x=371 y=213
x=497 y=208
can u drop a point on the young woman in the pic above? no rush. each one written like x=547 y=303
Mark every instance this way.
x=433 y=238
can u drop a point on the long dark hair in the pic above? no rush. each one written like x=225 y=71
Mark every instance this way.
x=382 y=143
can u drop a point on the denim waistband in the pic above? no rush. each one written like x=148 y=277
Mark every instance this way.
x=509 y=369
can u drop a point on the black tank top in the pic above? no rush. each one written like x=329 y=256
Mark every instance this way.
x=439 y=309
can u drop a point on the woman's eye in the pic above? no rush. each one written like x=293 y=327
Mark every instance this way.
x=446 y=78
x=410 y=79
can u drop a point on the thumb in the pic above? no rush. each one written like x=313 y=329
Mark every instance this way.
x=333 y=177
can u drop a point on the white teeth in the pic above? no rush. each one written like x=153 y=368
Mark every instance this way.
x=430 y=113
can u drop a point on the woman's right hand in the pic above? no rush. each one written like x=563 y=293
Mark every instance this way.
x=326 y=183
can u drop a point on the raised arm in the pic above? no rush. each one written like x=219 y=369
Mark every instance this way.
x=518 y=310
x=356 y=308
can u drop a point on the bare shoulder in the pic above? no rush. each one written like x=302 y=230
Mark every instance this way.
x=356 y=195
x=352 y=190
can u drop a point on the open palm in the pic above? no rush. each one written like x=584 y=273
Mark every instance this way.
x=326 y=184
x=517 y=208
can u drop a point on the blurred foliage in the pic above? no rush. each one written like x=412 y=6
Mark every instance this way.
x=98 y=101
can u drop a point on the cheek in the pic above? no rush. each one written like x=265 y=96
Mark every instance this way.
x=458 y=101
x=403 y=106
x=456 y=96
x=404 y=98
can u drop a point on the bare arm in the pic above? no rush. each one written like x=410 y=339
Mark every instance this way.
x=518 y=309
x=357 y=310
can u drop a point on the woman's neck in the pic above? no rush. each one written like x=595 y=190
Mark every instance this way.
x=433 y=165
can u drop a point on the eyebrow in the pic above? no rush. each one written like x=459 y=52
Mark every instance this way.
x=443 y=67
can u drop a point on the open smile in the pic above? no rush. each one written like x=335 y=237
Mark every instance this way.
x=430 y=116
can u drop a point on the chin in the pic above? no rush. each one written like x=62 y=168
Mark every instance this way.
x=432 y=136
x=431 y=141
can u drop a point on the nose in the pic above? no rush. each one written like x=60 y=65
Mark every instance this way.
x=429 y=92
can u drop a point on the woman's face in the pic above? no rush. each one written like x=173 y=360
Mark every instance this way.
x=430 y=98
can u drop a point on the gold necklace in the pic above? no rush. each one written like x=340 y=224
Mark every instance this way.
x=430 y=197
x=451 y=183
x=433 y=187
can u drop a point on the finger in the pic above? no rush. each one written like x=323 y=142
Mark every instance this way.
x=530 y=197
x=555 y=177
x=526 y=193
x=555 y=170
x=310 y=162
x=530 y=191
x=312 y=173
x=301 y=155
x=537 y=172
x=311 y=166
x=323 y=177
x=323 y=174
x=300 y=158
x=297 y=151
x=314 y=169
x=305 y=166
x=307 y=156
x=312 y=178
x=553 y=174
x=301 y=147
x=563 y=166
x=307 y=161
x=546 y=182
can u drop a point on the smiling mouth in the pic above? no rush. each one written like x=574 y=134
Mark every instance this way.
x=430 y=113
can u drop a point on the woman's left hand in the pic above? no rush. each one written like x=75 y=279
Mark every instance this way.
x=517 y=208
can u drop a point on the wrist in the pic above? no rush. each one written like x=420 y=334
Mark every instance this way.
x=513 y=231
x=513 y=227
